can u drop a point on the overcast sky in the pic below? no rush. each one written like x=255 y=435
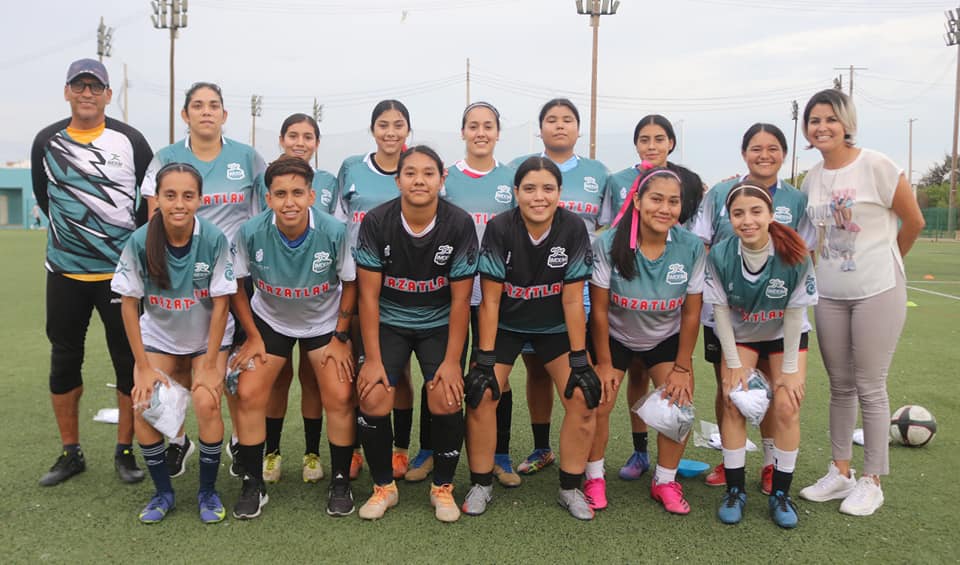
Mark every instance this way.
x=717 y=66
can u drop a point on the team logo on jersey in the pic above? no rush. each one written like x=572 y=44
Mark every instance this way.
x=557 y=258
x=443 y=254
x=321 y=262
x=590 y=184
x=235 y=171
x=676 y=275
x=201 y=270
x=776 y=289
x=504 y=194
x=258 y=255
x=386 y=250
x=623 y=192
x=228 y=271
x=811 y=285
x=509 y=256
x=233 y=249
x=783 y=215
x=325 y=197
x=114 y=160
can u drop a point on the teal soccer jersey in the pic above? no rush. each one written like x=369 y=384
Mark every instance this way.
x=646 y=309
x=361 y=187
x=296 y=289
x=177 y=320
x=757 y=302
x=417 y=270
x=230 y=192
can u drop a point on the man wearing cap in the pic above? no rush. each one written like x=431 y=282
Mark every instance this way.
x=87 y=171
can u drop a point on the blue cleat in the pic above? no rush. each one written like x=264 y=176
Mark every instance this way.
x=636 y=466
x=157 y=508
x=783 y=511
x=211 y=509
x=731 y=506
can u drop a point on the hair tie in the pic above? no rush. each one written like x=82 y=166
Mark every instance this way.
x=649 y=171
x=742 y=187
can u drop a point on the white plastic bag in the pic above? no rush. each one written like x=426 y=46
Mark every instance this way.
x=665 y=416
x=232 y=379
x=168 y=407
x=753 y=402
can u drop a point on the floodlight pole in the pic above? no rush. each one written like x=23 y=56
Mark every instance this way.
x=910 y=154
x=317 y=117
x=952 y=38
x=595 y=9
x=256 y=109
x=104 y=37
x=795 y=108
x=172 y=15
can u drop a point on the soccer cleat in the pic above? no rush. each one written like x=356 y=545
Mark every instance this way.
x=596 y=492
x=126 y=465
x=783 y=511
x=766 y=480
x=831 y=486
x=441 y=497
x=384 y=497
x=157 y=508
x=236 y=467
x=670 y=495
x=312 y=468
x=717 y=477
x=503 y=471
x=731 y=506
x=400 y=463
x=211 y=509
x=477 y=499
x=66 y=466
x=339 y=498
x=271 y=467
x=866 y=498
x=420 y=467
x=636 y=466
x=536 y=461
x=253 y=497
x=177 y=456
x=575 y=503
x=356 y=465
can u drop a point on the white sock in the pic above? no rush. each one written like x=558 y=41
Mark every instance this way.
x=663 y=475
x=735 y=458
x=785 y=461
x=594 y=469
x=767 y=451
x=179 y=440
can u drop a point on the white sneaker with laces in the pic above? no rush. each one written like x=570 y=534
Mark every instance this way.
x=831 y=486
x=866 y=498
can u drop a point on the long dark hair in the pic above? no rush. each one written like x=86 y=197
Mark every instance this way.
x=787 y=243
x=691 y=187
x=623 y=247
x=156 y=243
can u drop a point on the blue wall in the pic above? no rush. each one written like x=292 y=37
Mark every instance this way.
x=15 y=185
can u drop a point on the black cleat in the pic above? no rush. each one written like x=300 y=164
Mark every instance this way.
x=126 y=466
x=177 y=456
x=67 y=465
x=253 y=497
x=340 y=498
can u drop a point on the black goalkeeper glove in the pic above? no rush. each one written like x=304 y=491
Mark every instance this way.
x=480 y=378
x=582 y=375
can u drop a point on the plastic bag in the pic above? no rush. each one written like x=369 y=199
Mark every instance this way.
x=753 y=402
x=168 y=407
x=665 y=416
x=709 y=436
x=232 y=379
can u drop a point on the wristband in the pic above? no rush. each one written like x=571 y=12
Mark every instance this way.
x=578 y=359
x=486 y=358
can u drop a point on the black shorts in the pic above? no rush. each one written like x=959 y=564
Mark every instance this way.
x=239 y=335
x=711 y=346
x=765 y=348
x=664 y=352
x=547 y=346
x=282 y=345
x=396 y=345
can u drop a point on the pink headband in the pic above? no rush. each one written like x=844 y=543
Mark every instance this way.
x=638 y=183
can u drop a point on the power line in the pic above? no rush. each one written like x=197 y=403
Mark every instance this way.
x=885 y=7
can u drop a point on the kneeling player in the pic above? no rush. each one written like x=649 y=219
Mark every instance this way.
x=298 y=259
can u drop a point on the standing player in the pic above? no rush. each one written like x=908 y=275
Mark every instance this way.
x=654 y=140
x=584 y=183
x=646 y=289
x=759 y=283
x=229 y=169
x=86 y=173
x=299 y=136
x=763 y=148
x=533 y=264
x=416 y=259
x=293 y=303
x=366 y=181
x=179 y=268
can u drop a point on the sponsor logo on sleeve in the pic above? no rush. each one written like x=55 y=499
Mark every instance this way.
x=326 y=197
x=557 y=258
x=623 y=192
x=259 y=255
x=676 y=275
x=811 y=283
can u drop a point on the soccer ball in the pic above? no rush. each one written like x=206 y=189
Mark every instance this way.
x=913 y=426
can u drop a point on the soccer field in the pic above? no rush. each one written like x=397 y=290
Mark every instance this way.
x=92 y=517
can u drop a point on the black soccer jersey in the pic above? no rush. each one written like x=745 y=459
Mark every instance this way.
x=533 y=275
x=417 y=269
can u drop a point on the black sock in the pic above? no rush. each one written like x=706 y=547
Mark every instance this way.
x=426 y=434
x=312 y=428
x=251 y=457
x=209 y=465
x=121 y=447
x=376 y=435
x=340 y=456
x=274 y=429
x=504 y=421
x=447 y=441
x=402 y=426
x=482 y=479
x=156 y=460
x=735 y=478
x=73 y=448
x=781 y=481
x=356 y=435
x=570 y=480
x=640 y=441
x=541 y=436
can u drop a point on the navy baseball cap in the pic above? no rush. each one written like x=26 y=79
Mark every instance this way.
x=88 y=67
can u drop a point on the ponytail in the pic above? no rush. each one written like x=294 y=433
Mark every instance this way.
x=789 y=246
x=157 y=252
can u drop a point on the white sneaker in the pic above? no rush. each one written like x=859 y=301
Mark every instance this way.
x=866 y=498
x=831 y=486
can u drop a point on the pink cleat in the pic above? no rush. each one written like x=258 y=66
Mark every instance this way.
x=671 y=496
x=596 y=492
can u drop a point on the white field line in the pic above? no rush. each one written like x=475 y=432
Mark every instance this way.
x=934 y=292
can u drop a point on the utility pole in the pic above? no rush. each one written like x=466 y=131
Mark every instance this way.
x=851 y=68
x=468 y=82
x=595 y=9
x=172 y=15
x=795 y=108
x=680 y=123
x=910 y=154
x=126 y=86
x=256 y=109
x=104 y=36
x=952 y=38
x=317 y=117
